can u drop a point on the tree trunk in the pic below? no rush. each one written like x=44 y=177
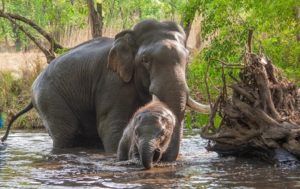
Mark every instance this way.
x=123 y=20
x=18 y=42
x=187 y=27
x=188 y=17
x=5 y=36
x=96 y=19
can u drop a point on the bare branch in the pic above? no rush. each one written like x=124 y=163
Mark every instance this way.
x=49 y=56
x=56 y=46
x=243 y=92
x=249 y=42
x=225 y=64
x=224 y=90
x=206 y=86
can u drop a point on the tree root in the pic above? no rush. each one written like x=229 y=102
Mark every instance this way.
x=261 y=117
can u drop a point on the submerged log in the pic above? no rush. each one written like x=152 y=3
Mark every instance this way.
x=262 y=116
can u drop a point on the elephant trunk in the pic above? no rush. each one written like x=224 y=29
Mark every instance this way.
x=148 y=154
x=178 y=108
x=174 y=93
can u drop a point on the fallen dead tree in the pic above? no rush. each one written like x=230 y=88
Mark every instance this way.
x=261 y=116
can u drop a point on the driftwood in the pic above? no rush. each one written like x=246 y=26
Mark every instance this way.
x=261 y=117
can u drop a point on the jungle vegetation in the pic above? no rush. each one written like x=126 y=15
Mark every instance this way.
x=218 y=31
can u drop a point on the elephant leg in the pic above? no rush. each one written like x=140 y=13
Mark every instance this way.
x=112 y=137
x=58 y=118
x=134 y=152
x=111 y=131
x=123 y=149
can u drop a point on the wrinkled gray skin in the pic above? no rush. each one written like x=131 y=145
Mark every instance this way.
x=87 y=96
x=148 y=134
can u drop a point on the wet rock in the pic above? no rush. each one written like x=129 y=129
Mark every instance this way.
x=284 y=158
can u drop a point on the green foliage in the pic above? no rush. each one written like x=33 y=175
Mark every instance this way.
x=15 y=95
x=125 y=13
x=275 y=29
x=196 y=81
x=52 y=15
x=224 y=25
x=188 y=11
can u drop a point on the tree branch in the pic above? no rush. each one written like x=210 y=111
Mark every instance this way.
x=249 y=42
x=54 y=44
x=49 y=56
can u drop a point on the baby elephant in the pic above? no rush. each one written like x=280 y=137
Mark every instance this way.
x=148 y=134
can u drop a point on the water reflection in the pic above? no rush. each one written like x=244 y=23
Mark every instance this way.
x=27 y=161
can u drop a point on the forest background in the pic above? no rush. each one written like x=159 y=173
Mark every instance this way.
x=217 y=32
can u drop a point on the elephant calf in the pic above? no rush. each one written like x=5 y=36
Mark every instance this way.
x=148 y=134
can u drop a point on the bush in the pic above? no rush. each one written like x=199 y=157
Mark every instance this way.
x=15 y=94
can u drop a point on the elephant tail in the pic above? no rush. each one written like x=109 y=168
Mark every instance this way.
x=14 y=117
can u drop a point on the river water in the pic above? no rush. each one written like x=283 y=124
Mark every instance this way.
x=27 y=161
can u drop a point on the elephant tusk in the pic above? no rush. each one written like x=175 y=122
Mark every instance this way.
x=155 y=98
x=198 y=106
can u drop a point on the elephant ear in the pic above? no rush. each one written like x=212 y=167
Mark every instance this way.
x=121 y=55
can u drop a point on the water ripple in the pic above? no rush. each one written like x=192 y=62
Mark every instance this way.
x=28 y=161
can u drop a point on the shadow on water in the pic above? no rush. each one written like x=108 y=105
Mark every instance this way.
x=27 y=161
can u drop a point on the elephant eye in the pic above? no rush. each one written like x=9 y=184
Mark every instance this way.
x=162 y=136
x=162 y=133
x=136 y=132
x=138 y=118
x=164 y=120
x=146 y=61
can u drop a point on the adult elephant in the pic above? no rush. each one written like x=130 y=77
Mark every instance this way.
x=88 y=95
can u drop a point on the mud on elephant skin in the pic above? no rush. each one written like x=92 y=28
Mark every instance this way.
x=88 y=95
x=148 y=134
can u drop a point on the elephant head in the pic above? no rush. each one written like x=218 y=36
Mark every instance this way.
x=153 y=56
x=153 y=127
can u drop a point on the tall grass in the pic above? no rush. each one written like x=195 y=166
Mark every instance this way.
x=15 y=93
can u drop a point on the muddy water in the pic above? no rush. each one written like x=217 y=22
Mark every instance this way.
x=27 y=161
